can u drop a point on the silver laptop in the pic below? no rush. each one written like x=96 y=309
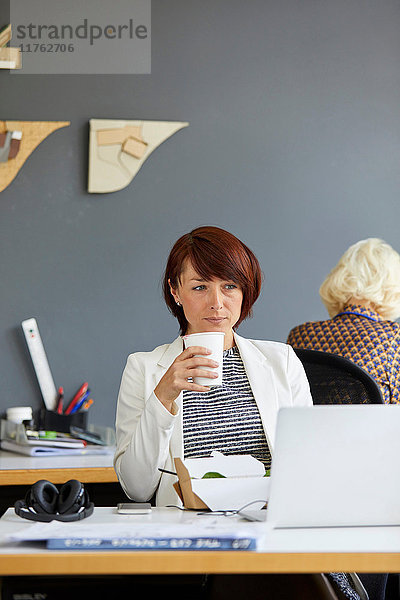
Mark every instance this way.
x=336 y=466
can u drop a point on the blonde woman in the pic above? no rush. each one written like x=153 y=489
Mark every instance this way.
x=362 y=297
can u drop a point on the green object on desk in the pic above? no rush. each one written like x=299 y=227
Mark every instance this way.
x=215 y=475
x=48 y=435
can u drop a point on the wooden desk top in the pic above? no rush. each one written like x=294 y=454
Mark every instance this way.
x=26 y=470
x=191 y=562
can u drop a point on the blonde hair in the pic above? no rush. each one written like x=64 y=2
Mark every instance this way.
x=368 y=271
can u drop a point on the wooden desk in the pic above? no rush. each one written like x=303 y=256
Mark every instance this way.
x=177 y=562
x=18 y=469
x=362 y=549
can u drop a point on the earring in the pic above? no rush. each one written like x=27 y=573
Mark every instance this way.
x=178 y=303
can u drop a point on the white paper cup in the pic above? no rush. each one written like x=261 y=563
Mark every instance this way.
x=214 y=341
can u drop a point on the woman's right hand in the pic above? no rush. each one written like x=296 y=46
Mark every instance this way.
x=186 y=365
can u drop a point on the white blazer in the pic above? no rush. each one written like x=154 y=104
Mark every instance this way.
x=149 y=437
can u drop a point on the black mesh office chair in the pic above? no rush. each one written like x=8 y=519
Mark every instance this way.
x=337 y=380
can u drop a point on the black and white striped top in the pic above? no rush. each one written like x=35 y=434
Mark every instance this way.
x=226 y=418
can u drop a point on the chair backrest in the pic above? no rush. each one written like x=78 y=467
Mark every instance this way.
x=337 y=380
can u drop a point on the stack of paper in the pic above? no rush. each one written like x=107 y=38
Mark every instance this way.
x=48 y=450
x=204 y=533
x=15 y=438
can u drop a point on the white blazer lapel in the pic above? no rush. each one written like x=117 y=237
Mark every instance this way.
x=262 y=382
x=173 y=350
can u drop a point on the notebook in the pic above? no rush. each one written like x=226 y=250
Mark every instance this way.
x=336 y=466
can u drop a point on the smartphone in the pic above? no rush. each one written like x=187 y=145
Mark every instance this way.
x=88 y=436
x=134 y=508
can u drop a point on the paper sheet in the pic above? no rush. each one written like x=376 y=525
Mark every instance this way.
x=207 y=526
x=51 y=450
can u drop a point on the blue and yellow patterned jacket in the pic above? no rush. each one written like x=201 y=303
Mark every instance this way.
x=364 y=337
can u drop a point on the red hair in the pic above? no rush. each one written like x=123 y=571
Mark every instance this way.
x=213 y=252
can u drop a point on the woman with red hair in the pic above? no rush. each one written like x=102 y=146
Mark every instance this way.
x=211 y=282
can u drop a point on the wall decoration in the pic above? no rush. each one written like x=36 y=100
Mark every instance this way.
x=18 y=139
x=10 y=58
x=117 y=150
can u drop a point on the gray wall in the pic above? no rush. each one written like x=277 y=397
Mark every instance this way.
x=293 y=145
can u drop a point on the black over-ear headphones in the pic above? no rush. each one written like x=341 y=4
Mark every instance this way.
x=44 y=502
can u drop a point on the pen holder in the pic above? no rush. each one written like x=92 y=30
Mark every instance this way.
x=50 y=420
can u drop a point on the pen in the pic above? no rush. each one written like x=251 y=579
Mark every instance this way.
x=80 y=402
x=76 y=398
x=60 y=400
x=87 y=404
x=166 y=471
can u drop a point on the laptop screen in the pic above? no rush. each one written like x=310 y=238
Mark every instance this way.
x=336 y=466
